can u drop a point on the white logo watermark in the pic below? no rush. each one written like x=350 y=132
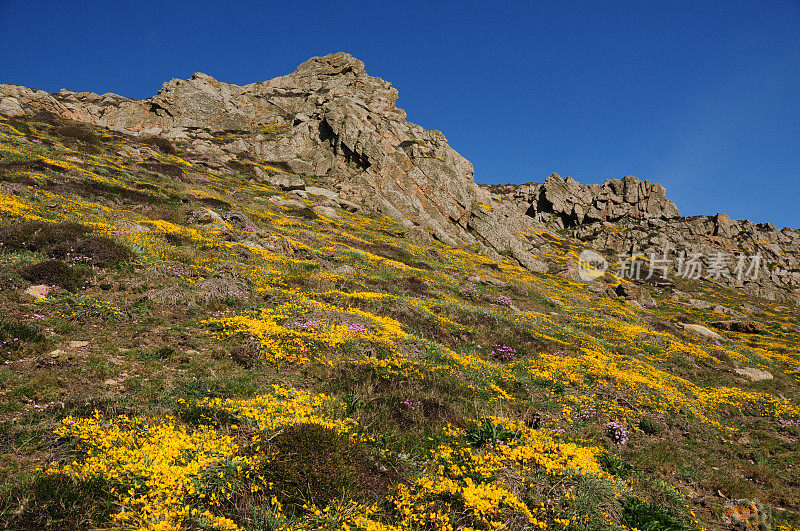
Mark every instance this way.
x=633 y=265
x=591 y=265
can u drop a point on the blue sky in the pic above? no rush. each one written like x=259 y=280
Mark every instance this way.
x=703 y=97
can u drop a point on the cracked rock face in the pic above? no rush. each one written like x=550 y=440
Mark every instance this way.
x=327 y=119
x=560 y=202
x=711 y=238
x=331 y=122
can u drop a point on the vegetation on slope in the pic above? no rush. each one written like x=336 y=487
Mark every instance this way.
x=285 y=367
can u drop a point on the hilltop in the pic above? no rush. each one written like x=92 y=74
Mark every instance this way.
x=283 y=306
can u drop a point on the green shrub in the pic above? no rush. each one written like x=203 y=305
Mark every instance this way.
x=55 y=273
x=315 y=464
x=171 y=170
x=97 y=250
x=489 y=433
x=22 y=331
x=161 y=144
x=39 y=235
x=213 y=202
x=78 y=136
x=57 y=502
x=45 y=117
x=241 y=167
x=646 y=517
x=15 y=336
x=304 y=212
x=651 y=426
x=614 y=465
x=76 y=131
x=162 y=353
x=22 y=127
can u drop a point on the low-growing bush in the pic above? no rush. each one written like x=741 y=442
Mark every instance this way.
x=79 y=136
x=97 y=250
x=14 y=336
x=57 y=502
x=652 y=425
x=162 y=353
x=55 y=273
x=304 y=212
x=489 y=433
x=161 y=144
x=614 y=465
x=241 y=167
x=39 y=235
x=213 y=202
x=22 y=127
x=646 y=517
x=45 y=117
x=171 y=170
x=315 y=464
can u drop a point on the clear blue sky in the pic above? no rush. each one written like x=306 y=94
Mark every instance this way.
x=703 y=97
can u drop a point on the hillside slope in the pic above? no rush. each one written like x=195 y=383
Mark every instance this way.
x=199 y=334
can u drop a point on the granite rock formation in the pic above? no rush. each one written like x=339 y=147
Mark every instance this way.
x=331 y=123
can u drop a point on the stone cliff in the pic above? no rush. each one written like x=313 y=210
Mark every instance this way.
x=331 y=122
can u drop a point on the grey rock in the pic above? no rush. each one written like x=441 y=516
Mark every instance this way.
x=418 y=235
x=344 y=269
x=563 y=202
x=753 y=374
x=286 y=181
x=744 y=327
x=349 y=205
x=38 y=292
x=237 y=218
x=702 y=331
x=206 y=215
x=316 y=190
x=11 y=107
x=331 y=120
x=327 y=211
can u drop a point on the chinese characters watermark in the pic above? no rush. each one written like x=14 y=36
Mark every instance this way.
x=633 y=265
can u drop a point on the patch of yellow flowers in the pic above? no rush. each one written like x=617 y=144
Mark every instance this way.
x=470 y=488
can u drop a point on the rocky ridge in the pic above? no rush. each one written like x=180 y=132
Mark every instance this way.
x=332 y=122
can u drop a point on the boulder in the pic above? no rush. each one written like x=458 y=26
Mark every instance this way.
x=286 y=181
x=753 y=374
x=327 y=211
x=11 y=107
x=702 y=331
x=324 y=192
x=635 y=293
x=38 y=292
x=206 y=215
x=744 y=327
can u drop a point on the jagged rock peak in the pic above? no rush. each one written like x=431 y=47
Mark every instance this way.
x=328 y=119
x=331 y=65
x=564 y=202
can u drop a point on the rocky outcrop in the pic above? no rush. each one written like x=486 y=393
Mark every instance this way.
x=563 y=202
x=330 y=126
x=724 y=249
x=329 y=120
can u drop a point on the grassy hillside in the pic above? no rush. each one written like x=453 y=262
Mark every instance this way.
x=213 y=353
